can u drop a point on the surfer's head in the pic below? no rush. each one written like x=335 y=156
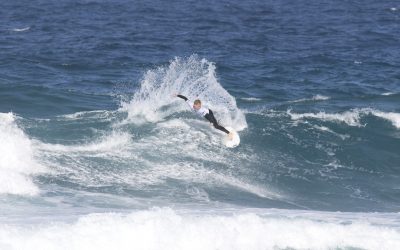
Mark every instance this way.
x=197 y=104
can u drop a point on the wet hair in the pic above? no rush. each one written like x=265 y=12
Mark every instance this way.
x=197 y=102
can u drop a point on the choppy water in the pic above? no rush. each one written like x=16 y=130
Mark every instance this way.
x=95 y=153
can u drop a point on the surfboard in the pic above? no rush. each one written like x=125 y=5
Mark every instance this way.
x=231 y=143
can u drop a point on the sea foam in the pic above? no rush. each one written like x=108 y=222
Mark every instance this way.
x=17 y=161
x=165 y=228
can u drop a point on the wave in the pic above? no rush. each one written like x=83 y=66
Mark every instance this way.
x=93 y=114
x=17 y=160
x=314 y=98
x=178 y=152
x=393 y=117
x=251 y=99
x=351 y=118
x=21 y=29
x=111 y=144
x=165 y=228
x=388 y=93
x=192 y=77
x=326 y=129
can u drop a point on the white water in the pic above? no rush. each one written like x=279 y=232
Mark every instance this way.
x=165 y=228
x=17 y=161
x=192 y=77
x=169 y=140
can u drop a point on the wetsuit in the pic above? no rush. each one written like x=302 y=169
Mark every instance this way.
x=206 y=113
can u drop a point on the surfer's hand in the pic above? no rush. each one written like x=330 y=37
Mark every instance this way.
x=174 y=95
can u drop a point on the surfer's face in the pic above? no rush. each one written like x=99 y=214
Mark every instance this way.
x=196 y=106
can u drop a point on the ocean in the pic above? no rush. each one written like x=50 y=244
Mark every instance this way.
x=97 y=153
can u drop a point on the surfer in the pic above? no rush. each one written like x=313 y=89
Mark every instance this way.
x=206 y=113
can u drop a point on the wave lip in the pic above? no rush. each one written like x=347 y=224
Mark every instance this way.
x=17 y=161
x=165 y=228
x=192 y=77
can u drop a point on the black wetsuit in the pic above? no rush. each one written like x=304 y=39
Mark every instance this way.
x=206 y=113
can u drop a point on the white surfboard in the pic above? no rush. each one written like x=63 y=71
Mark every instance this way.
x=234 y=142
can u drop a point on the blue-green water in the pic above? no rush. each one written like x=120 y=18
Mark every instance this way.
x=89 y=125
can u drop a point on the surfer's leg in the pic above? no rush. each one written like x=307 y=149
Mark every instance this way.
x=210 y=117
x=217 y=126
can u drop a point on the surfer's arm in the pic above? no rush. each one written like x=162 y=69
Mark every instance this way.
x=189 y=103
x=182 y=97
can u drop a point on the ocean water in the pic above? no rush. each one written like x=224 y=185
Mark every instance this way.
x=96 y=153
